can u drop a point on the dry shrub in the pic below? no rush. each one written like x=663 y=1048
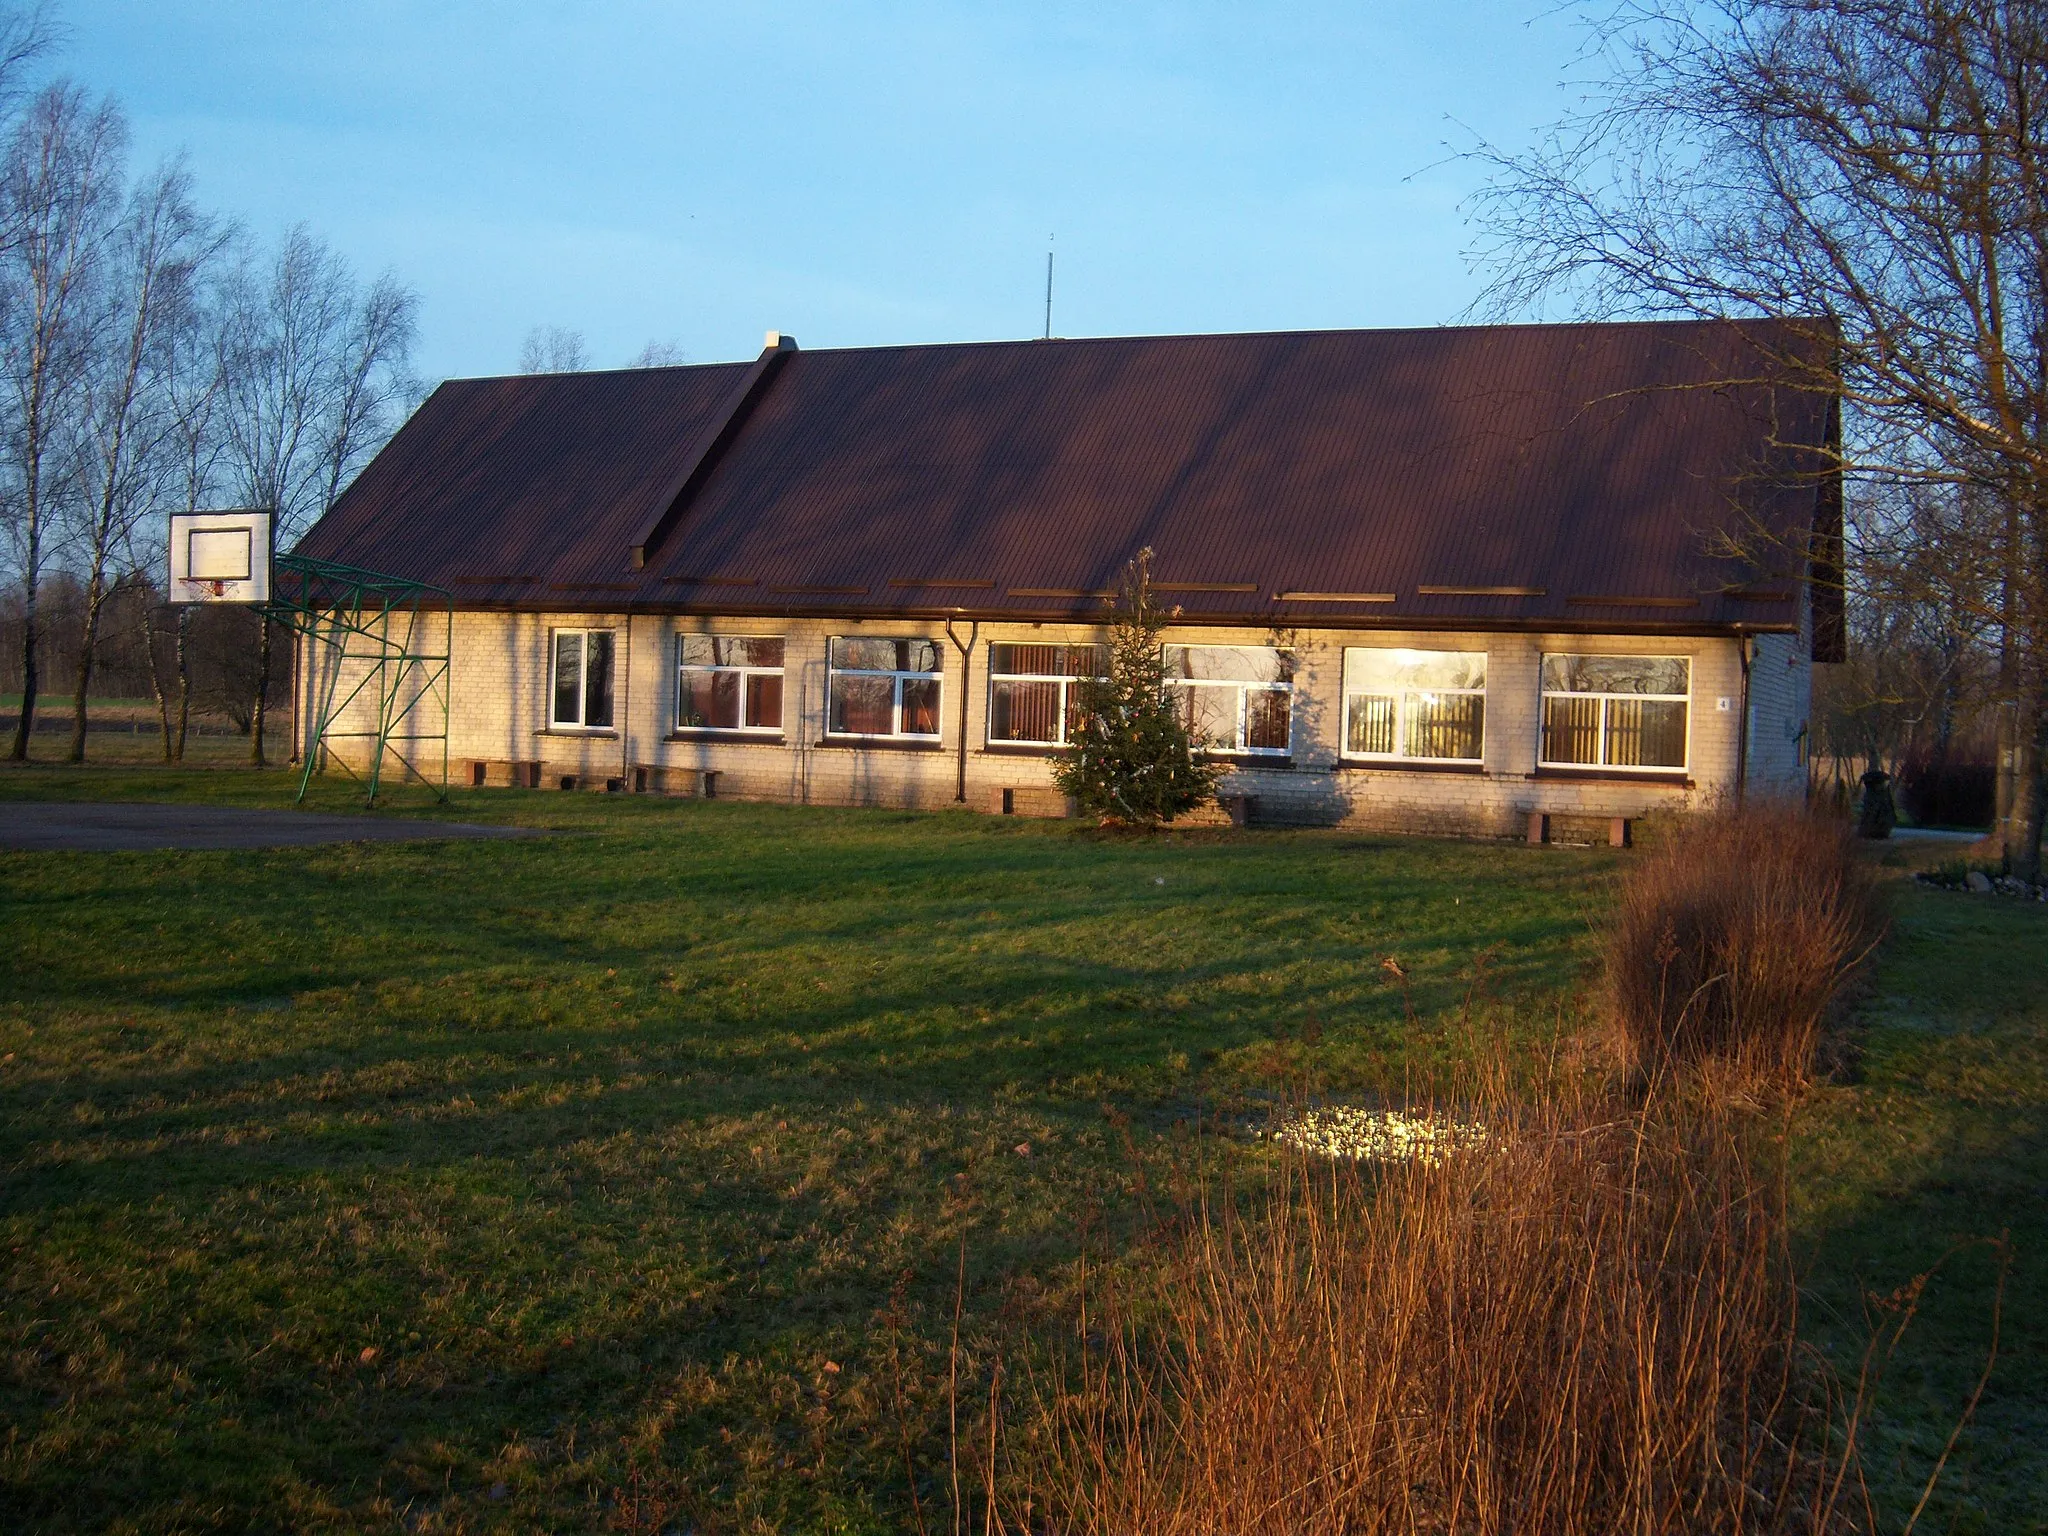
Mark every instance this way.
x=1731 y=938
x=1584 y=1322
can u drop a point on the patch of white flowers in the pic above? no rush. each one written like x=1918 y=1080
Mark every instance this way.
x=1378 y=1135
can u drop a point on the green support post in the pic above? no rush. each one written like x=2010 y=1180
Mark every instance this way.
x=378 y=652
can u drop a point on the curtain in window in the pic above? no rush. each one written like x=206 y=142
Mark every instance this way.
x=1571 y=730
x=1372 y=724
x=764 y=697
x=1445 y=724
x=1646 y=733
x=1025 y=711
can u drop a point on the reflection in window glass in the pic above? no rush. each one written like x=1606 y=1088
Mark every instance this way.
x=568 y=678
x=1229 y=663
x=1415 y=704
x=1667 y=675
x=879 y=687
x=866 y=653
x=864 y=706
x=1266 y=713
x=1237 y=698
x=582 y=693
x=919 y=706
x=1615 y=711
x=728 y=683
x=1032 y=693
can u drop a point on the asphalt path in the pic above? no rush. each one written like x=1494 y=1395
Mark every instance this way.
x=48 y=825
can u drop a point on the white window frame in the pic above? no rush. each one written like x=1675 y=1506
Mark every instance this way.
x=1065 y=680
x=833 y=672
x=1401 y=754
x=1243 y=687
x=1544 y=694
x=743 y=672
x=582 y=678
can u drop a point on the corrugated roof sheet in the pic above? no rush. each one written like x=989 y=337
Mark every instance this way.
x=1570 y=475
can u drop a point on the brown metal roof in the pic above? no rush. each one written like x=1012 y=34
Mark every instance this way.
x=1567 y=476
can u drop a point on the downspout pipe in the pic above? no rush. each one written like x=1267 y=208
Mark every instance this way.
x=1747 y=651
x=625 y=715
x=966 y=702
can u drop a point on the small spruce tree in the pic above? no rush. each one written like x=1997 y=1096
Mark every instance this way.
x=1133 y=758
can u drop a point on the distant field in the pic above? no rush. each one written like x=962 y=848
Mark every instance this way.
x=126 y=731
x=621 y=1176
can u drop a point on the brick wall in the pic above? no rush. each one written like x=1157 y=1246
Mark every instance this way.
x=1780 y=703
x=499 y=714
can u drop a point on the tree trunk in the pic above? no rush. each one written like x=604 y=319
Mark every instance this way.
x=2004 y=777
x=298 y=683
x=28 y=671
x=2007 y=756
x=262 y=691
x=2022 y=834
x=184 y=681
x=2030 y=801
x=88 y=642
x=156 y=676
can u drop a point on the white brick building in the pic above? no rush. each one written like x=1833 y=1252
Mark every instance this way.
x=1443 y=581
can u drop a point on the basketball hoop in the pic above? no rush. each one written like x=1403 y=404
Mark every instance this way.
x=376 y=649
x=222 y=557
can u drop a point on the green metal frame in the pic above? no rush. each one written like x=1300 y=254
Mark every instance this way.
x=383 y=640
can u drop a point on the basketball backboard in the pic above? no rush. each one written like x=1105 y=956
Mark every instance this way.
x=221 y=557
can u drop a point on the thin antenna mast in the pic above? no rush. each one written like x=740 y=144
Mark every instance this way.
x=1048 y=288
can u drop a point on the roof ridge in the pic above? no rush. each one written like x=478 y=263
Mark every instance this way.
x=1744 y=322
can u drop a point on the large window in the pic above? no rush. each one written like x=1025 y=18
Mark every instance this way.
x=582 y=672
x=728 y=683
x=884 y=687
x=1615 y=711
x=1237 y=698
x=1031 y=692
x=1415 y=704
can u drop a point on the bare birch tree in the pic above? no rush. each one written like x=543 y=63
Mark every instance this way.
x=316 y=372
x=553 y=349
x=1874 y=173
x=193 y=391
x=129 y=442
x=59 y=199
x=658 y=354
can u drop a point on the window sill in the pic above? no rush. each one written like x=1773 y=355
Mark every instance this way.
x=716 y=733
x=581 y=732
x=1676 y=778
x=1022 y=748
x=1247 y=760
x=1407 y=765
x=880 y=744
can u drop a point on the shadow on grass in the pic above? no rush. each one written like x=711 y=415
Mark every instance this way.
x=613 y=1140
x=1943 y=1140
x=1993 y=1481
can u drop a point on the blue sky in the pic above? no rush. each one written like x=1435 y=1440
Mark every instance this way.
x=856 y=174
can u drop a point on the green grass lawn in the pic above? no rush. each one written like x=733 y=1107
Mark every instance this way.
x=1940 y=1139
x=618 y=1179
